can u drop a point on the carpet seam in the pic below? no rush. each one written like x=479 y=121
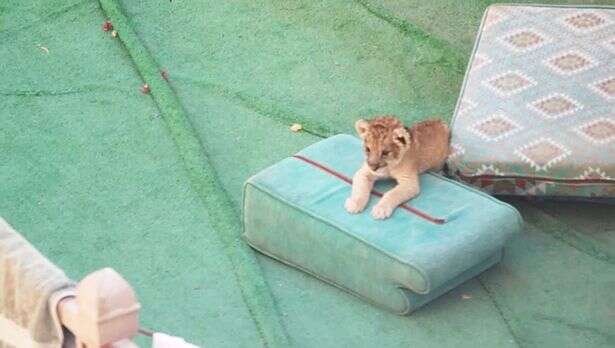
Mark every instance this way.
x=571 y=238
x=53 y=15
x=45 y=93
x=412 y=31
x=255 y=104
x=253 y=287
x=500 y=312
x=607 y=336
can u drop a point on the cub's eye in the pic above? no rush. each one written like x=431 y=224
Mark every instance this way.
x=367 y=149
x=385 y=153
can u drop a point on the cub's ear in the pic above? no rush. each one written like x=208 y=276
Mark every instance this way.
x=361 y=126
x=401 y=137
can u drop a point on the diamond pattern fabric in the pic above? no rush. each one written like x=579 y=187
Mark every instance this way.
x=536 y=114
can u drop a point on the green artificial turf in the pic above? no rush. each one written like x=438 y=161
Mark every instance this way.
x=94 y=173
x=224 y=221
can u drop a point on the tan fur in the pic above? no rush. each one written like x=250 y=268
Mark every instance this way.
x=393 y=151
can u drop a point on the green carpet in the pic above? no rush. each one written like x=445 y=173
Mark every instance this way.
x=94 y=173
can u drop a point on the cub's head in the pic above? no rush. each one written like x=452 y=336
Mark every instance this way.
x=385 y=141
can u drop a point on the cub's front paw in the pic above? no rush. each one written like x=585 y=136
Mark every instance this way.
x=382 y=211
x=354 y=206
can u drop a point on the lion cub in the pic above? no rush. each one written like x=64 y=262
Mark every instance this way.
x=394 y=151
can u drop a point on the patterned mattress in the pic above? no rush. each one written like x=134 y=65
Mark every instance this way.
x=536 y=115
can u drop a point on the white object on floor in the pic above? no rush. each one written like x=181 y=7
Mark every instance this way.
x=161 y=340
x=30 y=287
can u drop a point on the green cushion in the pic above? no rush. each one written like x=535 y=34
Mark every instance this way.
x=294 y=212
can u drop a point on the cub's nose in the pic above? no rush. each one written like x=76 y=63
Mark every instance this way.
x=374 y=166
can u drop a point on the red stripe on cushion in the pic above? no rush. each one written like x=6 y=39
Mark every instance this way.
x=347 y=180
